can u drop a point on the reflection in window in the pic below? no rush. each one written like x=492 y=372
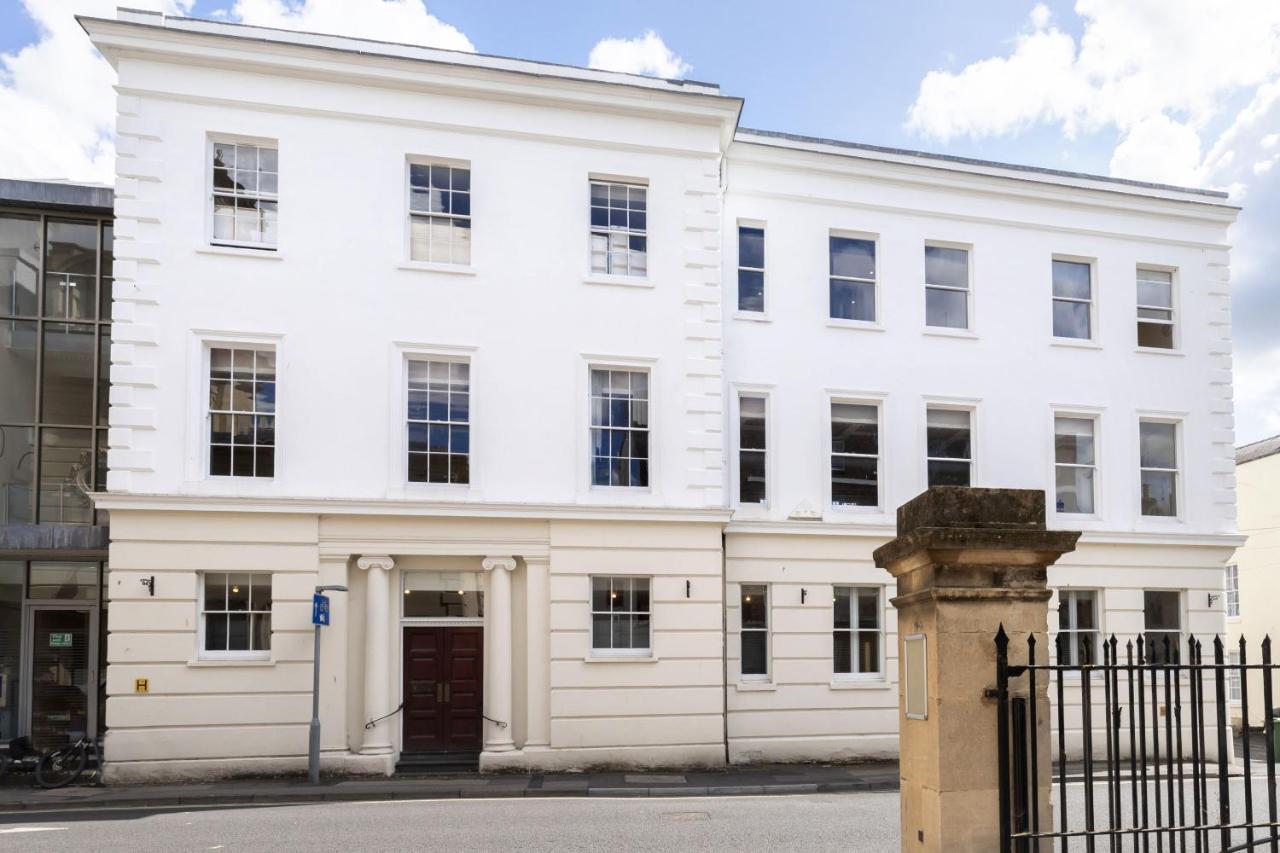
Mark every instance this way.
x=71 y=270
x=946 y=287
x=853 y=279
x=752 y=485
x=19 y=265
x=1162 y=625
x=619 y=615
x=439 y=421
x=245 y=194
x=1158 y=449
x=1075 y=463
x=619 y=427
x=11 y=583
x=750 y=268
x=1072 y=300
x=855 y=455
x=64 y=581
x=619 y=229
x=948 y=434
x=1078 y=627
x=442 y=595
x=242 y=405
x=439 y=213
x=754 y=636
x=1155 y=309
x=66 y=475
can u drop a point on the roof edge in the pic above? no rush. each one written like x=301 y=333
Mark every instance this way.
x=1260 y=449
x=16 y=192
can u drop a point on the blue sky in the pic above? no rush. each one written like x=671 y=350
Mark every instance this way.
x=1179 y=91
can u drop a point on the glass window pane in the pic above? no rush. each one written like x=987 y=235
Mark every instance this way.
x=19 y=265
x=1075 y=489
x=66 y=471
x=1156 y=335
x=600 y=594
x=1085 y=617
x=104 y=374
x=852 y=258
x=1071 y=320
x=238 y=632
x=868 y=652
x=751 y=476
x=1071 y=280
x=755 y=653
x=854 y=481
x=72 y=247
x=851 y=300
x=17 y=472
x=752 y=431
x=750 y=290
x=751 y=247
x=17 y=370
x=868 y=608
x=947 y=309
x=946 y=267
x=755 y=606
x=1073 y=440
x=260 y=592
x=1159 y=493
x=67 y=386
x=215 y=632
x=842 y=652
x=1155 y=293
x=238 y=586
x=1161 y=610
x=842 y=605
x=947 y=433
x=215 y=591
x=64 y=581
x=943 y=473
x=854 y=428
x=1158 y=444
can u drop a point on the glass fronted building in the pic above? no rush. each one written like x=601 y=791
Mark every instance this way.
x=55 y=342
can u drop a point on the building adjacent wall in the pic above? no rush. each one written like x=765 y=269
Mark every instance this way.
x=1258 y=564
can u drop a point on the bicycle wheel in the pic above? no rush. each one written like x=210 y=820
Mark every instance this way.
x=61 y=767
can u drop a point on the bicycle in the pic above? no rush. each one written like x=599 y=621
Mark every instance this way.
x=63 y=766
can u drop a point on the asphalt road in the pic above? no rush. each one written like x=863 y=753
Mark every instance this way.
x=779 y=824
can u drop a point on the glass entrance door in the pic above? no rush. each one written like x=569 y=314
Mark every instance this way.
x=63 y=681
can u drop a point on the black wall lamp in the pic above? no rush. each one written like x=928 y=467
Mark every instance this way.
x=688 y=589
x=150 y=584
x=804 y=593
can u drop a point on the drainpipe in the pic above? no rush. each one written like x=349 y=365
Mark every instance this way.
x=724 y=640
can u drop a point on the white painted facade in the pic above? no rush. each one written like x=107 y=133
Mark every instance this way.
x=344 y=308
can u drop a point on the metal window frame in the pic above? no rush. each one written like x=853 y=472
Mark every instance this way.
x=101 y=326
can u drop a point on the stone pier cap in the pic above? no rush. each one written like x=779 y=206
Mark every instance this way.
x=957 y=537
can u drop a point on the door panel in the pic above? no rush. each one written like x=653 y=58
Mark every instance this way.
x=443 y=689
x=61 y=683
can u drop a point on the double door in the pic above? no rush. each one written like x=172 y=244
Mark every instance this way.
x=443 y=679
x=62 y=675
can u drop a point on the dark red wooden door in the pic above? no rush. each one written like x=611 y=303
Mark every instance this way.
x=443 y=697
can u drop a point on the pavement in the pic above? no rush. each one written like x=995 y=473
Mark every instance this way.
x=17 y=797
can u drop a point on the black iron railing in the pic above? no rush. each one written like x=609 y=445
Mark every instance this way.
x=1159 y=779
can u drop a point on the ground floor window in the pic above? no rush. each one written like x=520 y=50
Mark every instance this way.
x=1078 y=629
x=620 y=615
x=235 y=614
x=755 y=632
x=1162 y=625
x=856 y=631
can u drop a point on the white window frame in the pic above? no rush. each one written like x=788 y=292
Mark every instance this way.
x=206 y=443
x=646 y=366
x=1092 y=263
x=968 y=327
x=1073 y=631
x=592 y=230
x=877 y=401
x=1173 y=308
x=424 y=358
x=754 y=392
x=1234 y=691
x=878 y=321
x=397 y=419
x=767 y=630
x=231 y=654
x=853 y=632
x=952 y=404
x=1083 y=413
x=1181 y=631
x=1177 y=420
x=738 y=311
x=409 y=213
x=215 y=139
x=646 y=652
x=1231 y=590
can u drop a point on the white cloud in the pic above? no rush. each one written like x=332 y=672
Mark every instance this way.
x=1159 y=149
x=1257 y=387
x=386 y=20
x=56 y=94
x=644 y=54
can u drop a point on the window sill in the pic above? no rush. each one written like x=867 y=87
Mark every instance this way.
x=621 y=659
x=944 y=332
x=1075 y=343
x=752 y=316
x=756 y=686
x=428 y=266
x=1159 y=351
x=265 y=253
x=214 y=662
x=619 y=280
x=860 y=684
x=861 y=325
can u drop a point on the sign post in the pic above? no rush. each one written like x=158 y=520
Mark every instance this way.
x=319 y=618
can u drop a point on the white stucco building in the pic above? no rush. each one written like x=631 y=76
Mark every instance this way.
x=599 y=404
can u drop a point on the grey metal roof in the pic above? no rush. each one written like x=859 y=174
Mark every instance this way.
x=1258 y=450
x=56 y=194
x=971 y=161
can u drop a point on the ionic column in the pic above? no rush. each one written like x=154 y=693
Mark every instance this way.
x=377 y=653
x=538 y=681
x=497 y=687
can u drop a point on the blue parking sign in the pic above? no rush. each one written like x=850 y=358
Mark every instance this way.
x=319 y=609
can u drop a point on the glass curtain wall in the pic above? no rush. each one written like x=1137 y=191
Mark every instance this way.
x=55 y=343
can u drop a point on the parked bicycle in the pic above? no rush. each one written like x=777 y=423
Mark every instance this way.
x=63 y=766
